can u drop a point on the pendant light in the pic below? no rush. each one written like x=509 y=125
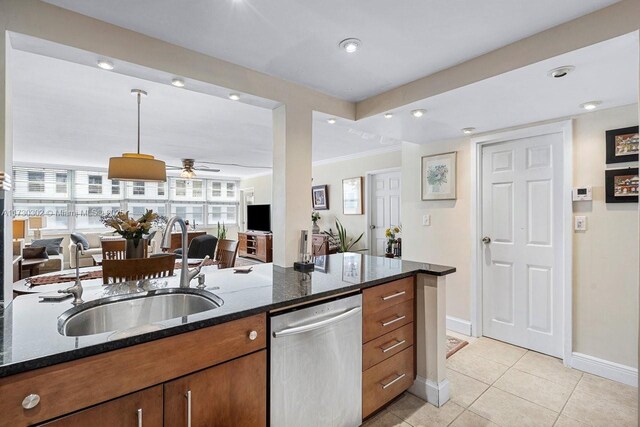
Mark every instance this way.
x=137 y=166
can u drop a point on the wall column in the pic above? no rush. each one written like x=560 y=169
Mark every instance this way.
x=291 y=201
x=6 y=156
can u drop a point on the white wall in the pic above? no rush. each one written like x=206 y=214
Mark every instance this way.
x=605 y=260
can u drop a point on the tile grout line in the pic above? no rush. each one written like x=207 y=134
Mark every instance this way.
x=568 y=399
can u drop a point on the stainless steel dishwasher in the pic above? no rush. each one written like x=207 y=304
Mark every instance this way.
x=316 y=365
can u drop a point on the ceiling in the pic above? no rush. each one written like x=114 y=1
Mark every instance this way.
x=297 y=40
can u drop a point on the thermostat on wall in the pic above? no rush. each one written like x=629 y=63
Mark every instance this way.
x=581 y=194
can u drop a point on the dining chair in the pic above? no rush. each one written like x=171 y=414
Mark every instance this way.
x=114 y=249
x=226 y=253
x=123 y=270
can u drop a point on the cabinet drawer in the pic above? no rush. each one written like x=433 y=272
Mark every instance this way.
x=388 y=345
x=75 y=385
x=384 y=296
x=141 y=408
x=379 y=323
x=387 y=380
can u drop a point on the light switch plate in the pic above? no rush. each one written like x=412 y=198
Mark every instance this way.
x=580 y=223
x=426 y=220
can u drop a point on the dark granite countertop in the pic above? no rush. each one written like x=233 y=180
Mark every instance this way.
x=29 y=328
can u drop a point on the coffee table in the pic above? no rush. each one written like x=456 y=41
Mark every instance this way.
x=33 y=265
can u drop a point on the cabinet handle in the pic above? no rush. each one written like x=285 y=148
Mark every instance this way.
x=253 y=335
x=31 y=401
x=188 y=408
x=397 y=294
x=139 y=412
x=397 y=319
x=397 y=344
x=392 y=382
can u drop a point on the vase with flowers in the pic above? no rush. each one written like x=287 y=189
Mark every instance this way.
x=391 y=233
x=133 y=230
x=315 y=216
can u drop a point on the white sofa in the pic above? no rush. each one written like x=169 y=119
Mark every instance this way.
x=95 y=248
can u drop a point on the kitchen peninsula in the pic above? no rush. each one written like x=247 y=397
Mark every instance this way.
x=45 y=375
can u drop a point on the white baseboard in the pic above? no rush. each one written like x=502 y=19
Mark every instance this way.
x=606 y=369
x=459 y=325
x=434 y=393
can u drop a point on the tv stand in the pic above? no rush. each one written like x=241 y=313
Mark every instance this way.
x=256 y=245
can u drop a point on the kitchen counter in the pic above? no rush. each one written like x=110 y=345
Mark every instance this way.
x=30 y=337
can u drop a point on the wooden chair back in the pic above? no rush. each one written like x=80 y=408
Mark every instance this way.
x=114 y=249
x=226 y=253
x=123 y=270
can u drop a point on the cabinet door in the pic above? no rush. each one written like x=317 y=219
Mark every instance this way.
x=141 y=409
x=230 y=394
x=261 y=250
x=242 y=243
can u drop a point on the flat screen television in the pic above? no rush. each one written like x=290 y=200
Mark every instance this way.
x=259 y=218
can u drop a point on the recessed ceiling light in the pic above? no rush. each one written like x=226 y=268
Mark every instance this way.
x=388 y=115
x=591 y=105
x=105 y=65
x=350 y=45
x=468 y=131
x=177 y=82
x=560 y=72
x=331 y=121
x=418 y=113
x=234 y=96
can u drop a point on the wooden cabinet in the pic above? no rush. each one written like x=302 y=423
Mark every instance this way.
x=256 y=246
x=231 y=394
x=143 y=408
x=388 y=335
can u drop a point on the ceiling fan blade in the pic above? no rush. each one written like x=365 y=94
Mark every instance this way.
x=235 y=164
x=174 y=167
x=207 y=168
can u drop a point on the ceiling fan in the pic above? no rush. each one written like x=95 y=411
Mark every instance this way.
x=188 y=167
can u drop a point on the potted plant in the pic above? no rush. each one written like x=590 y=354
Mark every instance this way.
x=131 y=229
x=315 y=216
x=222 y=231
x=341 y=240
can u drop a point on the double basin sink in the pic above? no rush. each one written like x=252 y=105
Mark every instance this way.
x=128 y=315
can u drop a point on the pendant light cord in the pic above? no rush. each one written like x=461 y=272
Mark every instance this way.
x=139 y=96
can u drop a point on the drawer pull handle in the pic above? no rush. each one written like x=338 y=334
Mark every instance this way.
x=397 y=294
x=31 y=401
x=397 y=319
x=188 y=396
x=253 y=335
x=392 y=382
x=139 y=411
x=391 y=347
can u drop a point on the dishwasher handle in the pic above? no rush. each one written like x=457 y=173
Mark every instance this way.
x=317 y=325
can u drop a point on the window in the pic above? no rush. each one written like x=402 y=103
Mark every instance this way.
x=136 y=210
x=36 y=181
x=88 y=215
x=115 y=187
x=161 y=191
x=95 y=184
x=138 y=188
x=61 y=183
x=196 y=190
x=57 y=213
x=231 y=190
x=222 y=213
x=216 y=189
x=181 y=187
x=193 y=213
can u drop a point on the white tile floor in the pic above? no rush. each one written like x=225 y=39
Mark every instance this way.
x=497 y=384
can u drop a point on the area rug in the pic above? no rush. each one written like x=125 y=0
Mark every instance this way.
x=453 y=345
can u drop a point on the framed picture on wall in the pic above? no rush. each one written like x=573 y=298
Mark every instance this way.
x=320 y=197
x=352 y=196
x=621 y=185
x=622 y=145
x=439 y=177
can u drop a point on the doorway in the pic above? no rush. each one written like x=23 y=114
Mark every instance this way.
x=246 y=198
x=385 y=189
x=523 y=202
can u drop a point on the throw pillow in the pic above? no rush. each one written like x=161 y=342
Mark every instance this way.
x=80 y=238
x=35 y=252
x=52 y=245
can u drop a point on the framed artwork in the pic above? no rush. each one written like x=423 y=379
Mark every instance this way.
x=439 y=177
x=622 y=145
x=352 y=196
x=352 y=268
x=621 y=185
x=320 y=197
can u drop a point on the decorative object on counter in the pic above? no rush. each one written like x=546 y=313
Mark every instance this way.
x=392 y=241
x=352 y=196
x=222 y=231
x=623 y=145
x=315 y=216
x=137 y=166
x=439 y=177
x=341 y=240
x=304 y=261
x=131 y=229
x=621 y=185
x=320 y=197
x=37 y=223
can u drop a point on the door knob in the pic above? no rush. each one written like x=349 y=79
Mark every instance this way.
x=486 y=240
x=372 y=227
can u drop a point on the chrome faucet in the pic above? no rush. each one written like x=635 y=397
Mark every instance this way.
x=186 y=275
x=76 y=290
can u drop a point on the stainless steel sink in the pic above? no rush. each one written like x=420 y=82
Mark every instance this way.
x=135 y=314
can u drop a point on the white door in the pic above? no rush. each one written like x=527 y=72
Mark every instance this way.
x=522 y=242
x=385 y=208
x=246 y=198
